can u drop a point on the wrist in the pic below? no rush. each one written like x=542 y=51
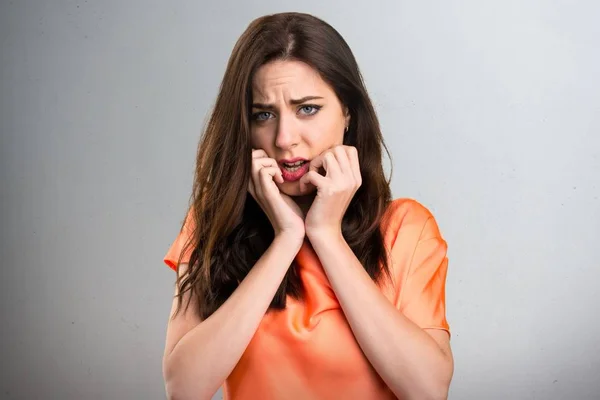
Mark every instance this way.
x=289 y=239
x=324 y=234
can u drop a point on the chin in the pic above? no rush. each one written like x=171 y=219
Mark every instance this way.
x=293 y=189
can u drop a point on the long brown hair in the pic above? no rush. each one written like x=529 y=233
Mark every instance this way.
x=231 y=232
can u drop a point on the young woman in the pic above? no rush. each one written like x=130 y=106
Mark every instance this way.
x=301 y=278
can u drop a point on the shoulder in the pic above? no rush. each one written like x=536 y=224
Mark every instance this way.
x=415 y=245
x=409 y=219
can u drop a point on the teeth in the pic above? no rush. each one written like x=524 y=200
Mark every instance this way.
x=294 y=164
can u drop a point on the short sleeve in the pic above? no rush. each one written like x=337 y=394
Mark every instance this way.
x=172 y=257
x=420 y=266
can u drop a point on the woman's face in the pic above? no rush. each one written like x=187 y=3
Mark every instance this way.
x=295 y=117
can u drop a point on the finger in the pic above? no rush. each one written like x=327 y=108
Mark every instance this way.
x=341 y=156
x=267 y=176
x=331 y=165
x=259 y=153
x=316 y=163
x=313 y=177
x=306 y=187
x=354 y=163
x=259 y=163
x=325 y=160
x=279 y=176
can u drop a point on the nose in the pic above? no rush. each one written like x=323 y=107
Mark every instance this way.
x=287 y=134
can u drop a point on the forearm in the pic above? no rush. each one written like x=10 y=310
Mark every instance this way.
x=407 y=358
x=207 y=354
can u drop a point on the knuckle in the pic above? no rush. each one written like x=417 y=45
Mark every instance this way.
x=263 y=171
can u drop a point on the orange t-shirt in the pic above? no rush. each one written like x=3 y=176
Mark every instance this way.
x=308 y=351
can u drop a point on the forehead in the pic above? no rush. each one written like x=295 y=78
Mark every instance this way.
x=290 y=78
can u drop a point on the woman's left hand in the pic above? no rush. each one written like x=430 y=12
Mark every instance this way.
x=335 y=190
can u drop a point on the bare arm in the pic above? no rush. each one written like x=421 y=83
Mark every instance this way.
x=415 y=363
x=199 y=355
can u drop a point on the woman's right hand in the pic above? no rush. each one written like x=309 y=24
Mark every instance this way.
x=284 y=214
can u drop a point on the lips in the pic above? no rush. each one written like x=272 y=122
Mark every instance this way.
x=293 y=169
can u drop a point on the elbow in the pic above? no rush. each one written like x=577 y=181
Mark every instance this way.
x=439 y=394
x=178 y=387
x=176 y=391
x=171 y=394
x=432 y=392
x=439 y=389
x=173 y=389
x=432 y=388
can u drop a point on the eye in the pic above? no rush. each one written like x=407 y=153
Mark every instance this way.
x=261 y=116
x=310 y=109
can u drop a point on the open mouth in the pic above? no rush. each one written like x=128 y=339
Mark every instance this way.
x=293 y=167
x=293 y=171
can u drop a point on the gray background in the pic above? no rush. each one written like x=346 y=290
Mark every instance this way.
x=491 y=112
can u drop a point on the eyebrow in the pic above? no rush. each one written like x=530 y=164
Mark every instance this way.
x=292 y=101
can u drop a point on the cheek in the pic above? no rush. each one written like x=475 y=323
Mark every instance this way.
x=254 y=139
x=258 y=140
x=326 y=134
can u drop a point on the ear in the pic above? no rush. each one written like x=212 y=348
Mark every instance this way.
x=347 y=116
